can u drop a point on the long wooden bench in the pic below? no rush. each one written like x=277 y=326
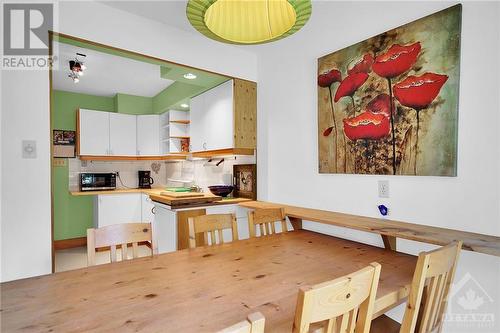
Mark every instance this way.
x=388 y=229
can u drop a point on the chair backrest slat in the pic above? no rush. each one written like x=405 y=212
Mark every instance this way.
x=430 y=288
x=212 y=224
x=342 y=305
x=113 y=253
x=119 y=235
x=124 y=251
x=254 y=323
x=265 y=220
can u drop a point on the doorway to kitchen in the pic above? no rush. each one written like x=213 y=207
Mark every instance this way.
x=120 y=127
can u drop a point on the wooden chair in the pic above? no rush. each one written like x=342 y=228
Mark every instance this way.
x=266 y=219
x=253 y=324
x=119 y=235
x=211 y=224
x=429 y=292
x=341 y=305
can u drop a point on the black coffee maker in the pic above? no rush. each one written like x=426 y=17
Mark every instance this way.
x=145 y=179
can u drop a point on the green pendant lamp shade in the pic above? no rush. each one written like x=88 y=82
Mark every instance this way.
x=248 y=21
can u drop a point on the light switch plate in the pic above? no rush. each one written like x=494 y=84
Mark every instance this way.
x=29 y=149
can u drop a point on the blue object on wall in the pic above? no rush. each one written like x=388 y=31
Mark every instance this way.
x=383 y=210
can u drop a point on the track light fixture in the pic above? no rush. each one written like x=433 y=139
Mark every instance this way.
x=77 y=68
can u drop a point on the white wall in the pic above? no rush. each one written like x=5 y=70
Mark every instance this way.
x=287 y=123
x=25 y=202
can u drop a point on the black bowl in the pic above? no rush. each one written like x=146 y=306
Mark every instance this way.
x=221 y=190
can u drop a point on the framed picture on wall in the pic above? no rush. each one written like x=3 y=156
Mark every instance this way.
x=245 y=181
x=389 y=105
x=63 y=143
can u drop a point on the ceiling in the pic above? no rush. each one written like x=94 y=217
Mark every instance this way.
x=170 y=12
x=111 y=71
x=107 y=74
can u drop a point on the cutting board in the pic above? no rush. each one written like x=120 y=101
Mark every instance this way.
x=178 y=189
x=182 y=194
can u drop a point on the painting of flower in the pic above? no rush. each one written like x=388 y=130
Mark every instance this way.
x=389 y=105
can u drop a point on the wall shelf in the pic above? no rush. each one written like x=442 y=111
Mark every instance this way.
x=184 y=122
x=223 y=152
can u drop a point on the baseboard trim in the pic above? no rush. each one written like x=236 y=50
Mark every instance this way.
x=64 y=244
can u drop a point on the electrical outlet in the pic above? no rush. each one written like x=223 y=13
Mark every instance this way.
x=59 y=162
x=383 y=189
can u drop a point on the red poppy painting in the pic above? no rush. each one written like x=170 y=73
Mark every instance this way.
x=389 y=105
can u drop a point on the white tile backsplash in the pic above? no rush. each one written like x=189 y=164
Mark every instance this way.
x=127 y=169
x=204 y=173
x=200 y=172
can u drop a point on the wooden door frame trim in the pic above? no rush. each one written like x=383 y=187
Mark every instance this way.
x=53 y=34
x=137 y=54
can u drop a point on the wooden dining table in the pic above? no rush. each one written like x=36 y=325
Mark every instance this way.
x=198 y=290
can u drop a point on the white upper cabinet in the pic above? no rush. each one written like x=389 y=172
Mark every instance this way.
x=212 y=119
x=148 y=135
x=197 y=127
x=122 y=134
x=94 y=132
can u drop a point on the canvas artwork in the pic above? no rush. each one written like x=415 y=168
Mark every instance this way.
x=389 y=105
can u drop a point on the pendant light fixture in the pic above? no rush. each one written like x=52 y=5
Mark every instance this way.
x=248 y=21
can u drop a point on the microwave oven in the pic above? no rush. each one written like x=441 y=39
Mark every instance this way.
x=97 y=181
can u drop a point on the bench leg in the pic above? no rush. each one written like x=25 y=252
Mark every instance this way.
x=389 y=242
x=296 y=223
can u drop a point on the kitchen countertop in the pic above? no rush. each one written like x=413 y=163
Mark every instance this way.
x=156 y=191
x=207 y=200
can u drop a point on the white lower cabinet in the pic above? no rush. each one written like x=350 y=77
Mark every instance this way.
x=138 y=207
x=165 y=229
x=241 y=218
x=117 y=208
x=148 y=209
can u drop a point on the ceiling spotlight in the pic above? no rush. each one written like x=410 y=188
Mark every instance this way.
x=189 y=76
x=184 y=105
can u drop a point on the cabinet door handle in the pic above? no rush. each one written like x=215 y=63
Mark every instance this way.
x=205 y=145
x=153 y=210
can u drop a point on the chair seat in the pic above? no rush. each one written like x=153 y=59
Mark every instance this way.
x=384 y=324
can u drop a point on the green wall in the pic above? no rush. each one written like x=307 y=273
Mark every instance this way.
x=72 y=215
x=132 y=104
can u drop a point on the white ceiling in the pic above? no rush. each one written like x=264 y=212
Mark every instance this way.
x=107 y=74
x=170 y=12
